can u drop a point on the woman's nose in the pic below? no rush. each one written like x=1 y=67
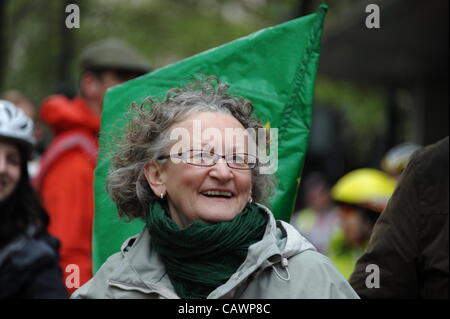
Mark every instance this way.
x=221 y=170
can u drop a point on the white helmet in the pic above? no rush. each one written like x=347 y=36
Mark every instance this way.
x=15 y=125
x=396 y=159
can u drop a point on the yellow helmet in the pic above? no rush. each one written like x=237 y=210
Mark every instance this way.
x=366 y=187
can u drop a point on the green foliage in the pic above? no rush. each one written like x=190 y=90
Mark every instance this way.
x=32 y=43
x=364 y=107
x=164 y=31
x=364 y=110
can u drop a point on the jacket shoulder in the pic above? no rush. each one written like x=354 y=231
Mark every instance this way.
x=98 y=286
x=318 y=277
x=30 y=269
x=308 y=275
x=35 y=252
x=431 y=169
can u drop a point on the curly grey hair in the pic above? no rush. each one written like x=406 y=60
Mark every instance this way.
x=146 y=138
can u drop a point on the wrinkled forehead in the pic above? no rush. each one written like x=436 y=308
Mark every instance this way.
x=212 y=131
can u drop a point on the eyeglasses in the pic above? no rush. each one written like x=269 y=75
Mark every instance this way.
x=208 y=159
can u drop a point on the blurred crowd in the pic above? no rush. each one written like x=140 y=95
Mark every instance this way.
x=61 y=171
x=338 y=219
x=394 y=216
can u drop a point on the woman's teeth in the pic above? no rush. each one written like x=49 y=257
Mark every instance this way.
x=218 y=193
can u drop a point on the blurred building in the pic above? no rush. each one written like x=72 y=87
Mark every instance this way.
x=407 y=55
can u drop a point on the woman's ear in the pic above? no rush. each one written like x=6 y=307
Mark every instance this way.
x=152 y=172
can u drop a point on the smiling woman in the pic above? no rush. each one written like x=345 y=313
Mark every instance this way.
x=148 y=139
x=9 y=169
x=209 y=232
x=193 y=187
x=28 y=254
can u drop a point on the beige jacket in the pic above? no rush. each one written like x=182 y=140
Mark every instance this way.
x=282 y=265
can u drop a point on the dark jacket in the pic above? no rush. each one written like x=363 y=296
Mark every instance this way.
x=29 y=268
x=409 y=243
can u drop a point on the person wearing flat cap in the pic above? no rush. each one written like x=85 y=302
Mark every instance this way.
x=65 y=177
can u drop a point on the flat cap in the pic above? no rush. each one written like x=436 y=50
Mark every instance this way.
x=113 y=54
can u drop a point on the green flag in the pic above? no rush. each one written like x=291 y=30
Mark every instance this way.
x=275 y=68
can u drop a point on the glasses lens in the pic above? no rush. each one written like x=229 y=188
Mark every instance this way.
x=241 y=160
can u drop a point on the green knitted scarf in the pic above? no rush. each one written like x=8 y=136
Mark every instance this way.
x=201 y=257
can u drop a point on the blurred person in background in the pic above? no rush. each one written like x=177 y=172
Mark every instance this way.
x=319 y=219
x=65 y=178
x=409 y=244
x=396 y=159
x=29 y=262
x=361 y=195
x=22 y=102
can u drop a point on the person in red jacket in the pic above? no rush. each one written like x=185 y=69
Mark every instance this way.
x=65 y=178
